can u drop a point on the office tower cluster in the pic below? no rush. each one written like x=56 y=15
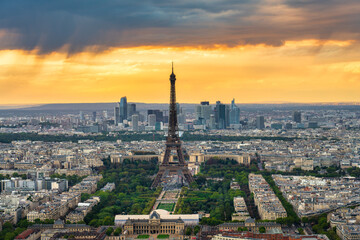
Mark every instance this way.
x=126 y=116
x=120 y=111
x=285 y=122
x=205 y=117
x=91 y=122
x=125 y=111
x=222 y=116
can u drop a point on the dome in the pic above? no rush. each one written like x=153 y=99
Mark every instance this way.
x=154 y=215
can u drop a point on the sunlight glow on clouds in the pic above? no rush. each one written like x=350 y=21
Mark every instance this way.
x=293 y=72
x=255 y=51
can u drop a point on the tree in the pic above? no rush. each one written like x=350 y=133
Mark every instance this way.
x=15 y=174
x=108 y=221
x=196 y=229
x=262 y=230
x=117 y=231
x=94 y=223
x=109 y=231
x=37 y=221
x=188 y=231
x=8 y=226
x=85 y=196
x=23 y=223
x=9 y=236
x=305 y=219
x=301 y=231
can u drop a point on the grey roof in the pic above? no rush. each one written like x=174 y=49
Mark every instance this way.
x=155 y=215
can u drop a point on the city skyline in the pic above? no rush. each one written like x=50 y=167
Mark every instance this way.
x=255 y=134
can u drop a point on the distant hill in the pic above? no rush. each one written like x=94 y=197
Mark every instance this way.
x=100 y=106
x=75 y=108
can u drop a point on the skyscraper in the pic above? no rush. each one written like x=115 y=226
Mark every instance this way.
x=220 y=115
x=198 y=112
x=123 y=109
x=297 y=116
x=105 y=114
x=151 y=119
x=131 y=109
x=135 y=122
x=234 y=113
x=81 y=115
x=227 y=116
x=159 y=115
x=117 y=114
x=94 y=116
x=212 y=122
x=203 y=112
x=260 y=122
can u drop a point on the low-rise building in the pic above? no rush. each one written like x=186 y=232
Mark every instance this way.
x=348 y=232
x=269 y=206
x=154 y=225
x=188 y=219
x=241 y=212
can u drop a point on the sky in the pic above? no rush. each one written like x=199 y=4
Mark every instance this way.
x=256 y=51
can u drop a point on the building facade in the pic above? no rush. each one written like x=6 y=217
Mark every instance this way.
x=154 y=225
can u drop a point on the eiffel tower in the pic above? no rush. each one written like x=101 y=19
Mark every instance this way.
x=173 y=143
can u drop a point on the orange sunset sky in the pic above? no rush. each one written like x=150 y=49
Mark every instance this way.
x=254 y=51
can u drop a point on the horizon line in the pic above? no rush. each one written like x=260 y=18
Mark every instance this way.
x=275 y=102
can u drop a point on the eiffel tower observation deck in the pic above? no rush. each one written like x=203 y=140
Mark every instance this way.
x=173 y=143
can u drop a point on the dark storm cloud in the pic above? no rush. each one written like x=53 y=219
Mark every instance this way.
x=51 y=24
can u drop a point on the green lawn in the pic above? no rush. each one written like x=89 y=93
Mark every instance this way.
x=166 y=206
x=143 y=236
x=163 y=236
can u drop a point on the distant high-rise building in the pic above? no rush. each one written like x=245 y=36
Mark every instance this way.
x=123 y=109
x=135 y=122
x=117 y=114
x=260 y=122
x=234 y=113
x=131 y=109
x=181 y=118
x=276 y=126
x=81 y=115
x=151 y=119
x=94 y=116
x=178 y=108
x=297 y=117
x=313 y=125
x=220 y=115
x=198 y=112
x=203 y=112
x=212 y=122
x=158 y=126
x=227 y=116
x=159 y=115
x=105 y=114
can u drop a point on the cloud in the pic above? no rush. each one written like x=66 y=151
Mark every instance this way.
x=75 y=25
